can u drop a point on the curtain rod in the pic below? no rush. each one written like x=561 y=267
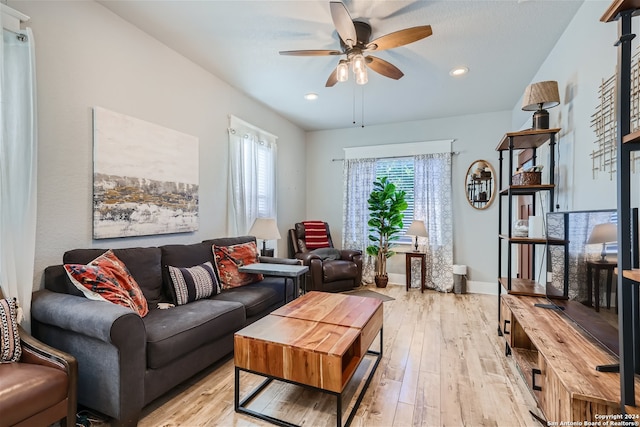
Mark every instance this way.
x=11 y=18
x=391 y=157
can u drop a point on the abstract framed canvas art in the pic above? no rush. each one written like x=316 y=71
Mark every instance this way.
x=145 y=178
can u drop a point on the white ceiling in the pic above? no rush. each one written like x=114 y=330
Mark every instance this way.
x=503 y=43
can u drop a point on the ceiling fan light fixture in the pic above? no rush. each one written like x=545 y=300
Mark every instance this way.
x=342 y=71
x=358 y=62
x=361 y=77
x=311 y=96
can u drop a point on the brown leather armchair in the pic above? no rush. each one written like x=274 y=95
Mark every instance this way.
x=41 y=388
x=328 y=275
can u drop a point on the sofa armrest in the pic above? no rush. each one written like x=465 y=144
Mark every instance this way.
x=109 y=343
x=306 y=257
x=95 y=319
x=38 y=353
x=350 y=254
x=276 y=260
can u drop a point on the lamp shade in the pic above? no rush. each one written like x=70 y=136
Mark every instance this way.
x=417 y=228
x=541 y=95
x=265 y=229
x=603 y=233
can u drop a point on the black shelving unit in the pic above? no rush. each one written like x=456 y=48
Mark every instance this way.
x=628 y=301
x=510 y=143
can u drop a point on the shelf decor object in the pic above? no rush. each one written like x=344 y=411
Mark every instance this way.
x=265 y=229
x=417 y=229
x=539 y=96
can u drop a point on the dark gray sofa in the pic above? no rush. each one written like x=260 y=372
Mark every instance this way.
x=126 y=361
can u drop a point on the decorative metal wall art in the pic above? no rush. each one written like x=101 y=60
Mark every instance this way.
x=603 y=122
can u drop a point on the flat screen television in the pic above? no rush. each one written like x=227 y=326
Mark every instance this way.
x=568 y=265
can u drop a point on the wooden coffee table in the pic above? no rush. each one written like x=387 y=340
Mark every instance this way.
x=316 y=341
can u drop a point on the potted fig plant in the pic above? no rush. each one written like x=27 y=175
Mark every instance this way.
x=386 y=207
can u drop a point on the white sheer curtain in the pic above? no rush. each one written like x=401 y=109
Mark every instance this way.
x=432 y=203
x=252 y=176
x=18 y=167
x=359 y=175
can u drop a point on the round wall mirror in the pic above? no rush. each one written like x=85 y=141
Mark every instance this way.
x=480 y=184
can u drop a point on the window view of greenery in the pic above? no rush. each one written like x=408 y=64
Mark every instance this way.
x=400 y=171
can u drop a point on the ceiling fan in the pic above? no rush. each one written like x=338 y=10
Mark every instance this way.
x=354 y=42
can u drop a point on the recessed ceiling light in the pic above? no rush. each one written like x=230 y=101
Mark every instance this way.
x=311 y=96
x=459 y=71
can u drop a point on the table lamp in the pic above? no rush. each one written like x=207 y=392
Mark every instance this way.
x=265 y=229
x=417 y=229
x=539 y=96
x=603 y=233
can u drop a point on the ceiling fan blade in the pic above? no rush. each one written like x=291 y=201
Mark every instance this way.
x=383 y=67
x=318 y=52
x=333 y=79
x=400 y=38
x=343 y=23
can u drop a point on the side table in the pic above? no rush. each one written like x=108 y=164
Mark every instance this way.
x=423 y=268
x=593 y=281
x=287 y=271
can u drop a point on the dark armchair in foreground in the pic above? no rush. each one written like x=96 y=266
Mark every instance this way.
x=40 y=388
x=330 y=269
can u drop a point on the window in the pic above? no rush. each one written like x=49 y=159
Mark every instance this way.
x=423 y=171
x=400 y=171
x=252 y=176
x=265 y=191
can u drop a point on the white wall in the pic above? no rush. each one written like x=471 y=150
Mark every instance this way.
x=87 y=56
x=583 y=57
x=476 y=137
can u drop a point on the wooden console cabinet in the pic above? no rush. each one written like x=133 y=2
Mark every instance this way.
x=558 y=362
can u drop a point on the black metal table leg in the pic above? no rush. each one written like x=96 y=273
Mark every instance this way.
x=240 y=406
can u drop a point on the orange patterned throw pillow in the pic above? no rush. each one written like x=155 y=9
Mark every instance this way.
x=106 y=278
x=229 y=258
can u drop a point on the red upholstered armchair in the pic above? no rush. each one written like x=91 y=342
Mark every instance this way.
x=40 y=388
x=330 y=269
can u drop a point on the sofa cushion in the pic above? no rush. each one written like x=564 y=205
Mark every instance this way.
x=177 y=331
x=10 y=349
x=256 y=298
x=327 y=253
x=229 y=258
x=182 y=256
x=106 y=278
x=194 y=283
x=339 y=270
x=143 y=264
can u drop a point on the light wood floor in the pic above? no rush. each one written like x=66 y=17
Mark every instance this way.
x=443 y=365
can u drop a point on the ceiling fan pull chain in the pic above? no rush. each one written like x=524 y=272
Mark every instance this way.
x=362 y=122
x=354 y=104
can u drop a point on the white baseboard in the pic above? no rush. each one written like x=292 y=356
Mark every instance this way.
x=397 y=279
x=473 y=286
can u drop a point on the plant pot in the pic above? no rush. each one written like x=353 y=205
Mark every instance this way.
x=381 y=281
